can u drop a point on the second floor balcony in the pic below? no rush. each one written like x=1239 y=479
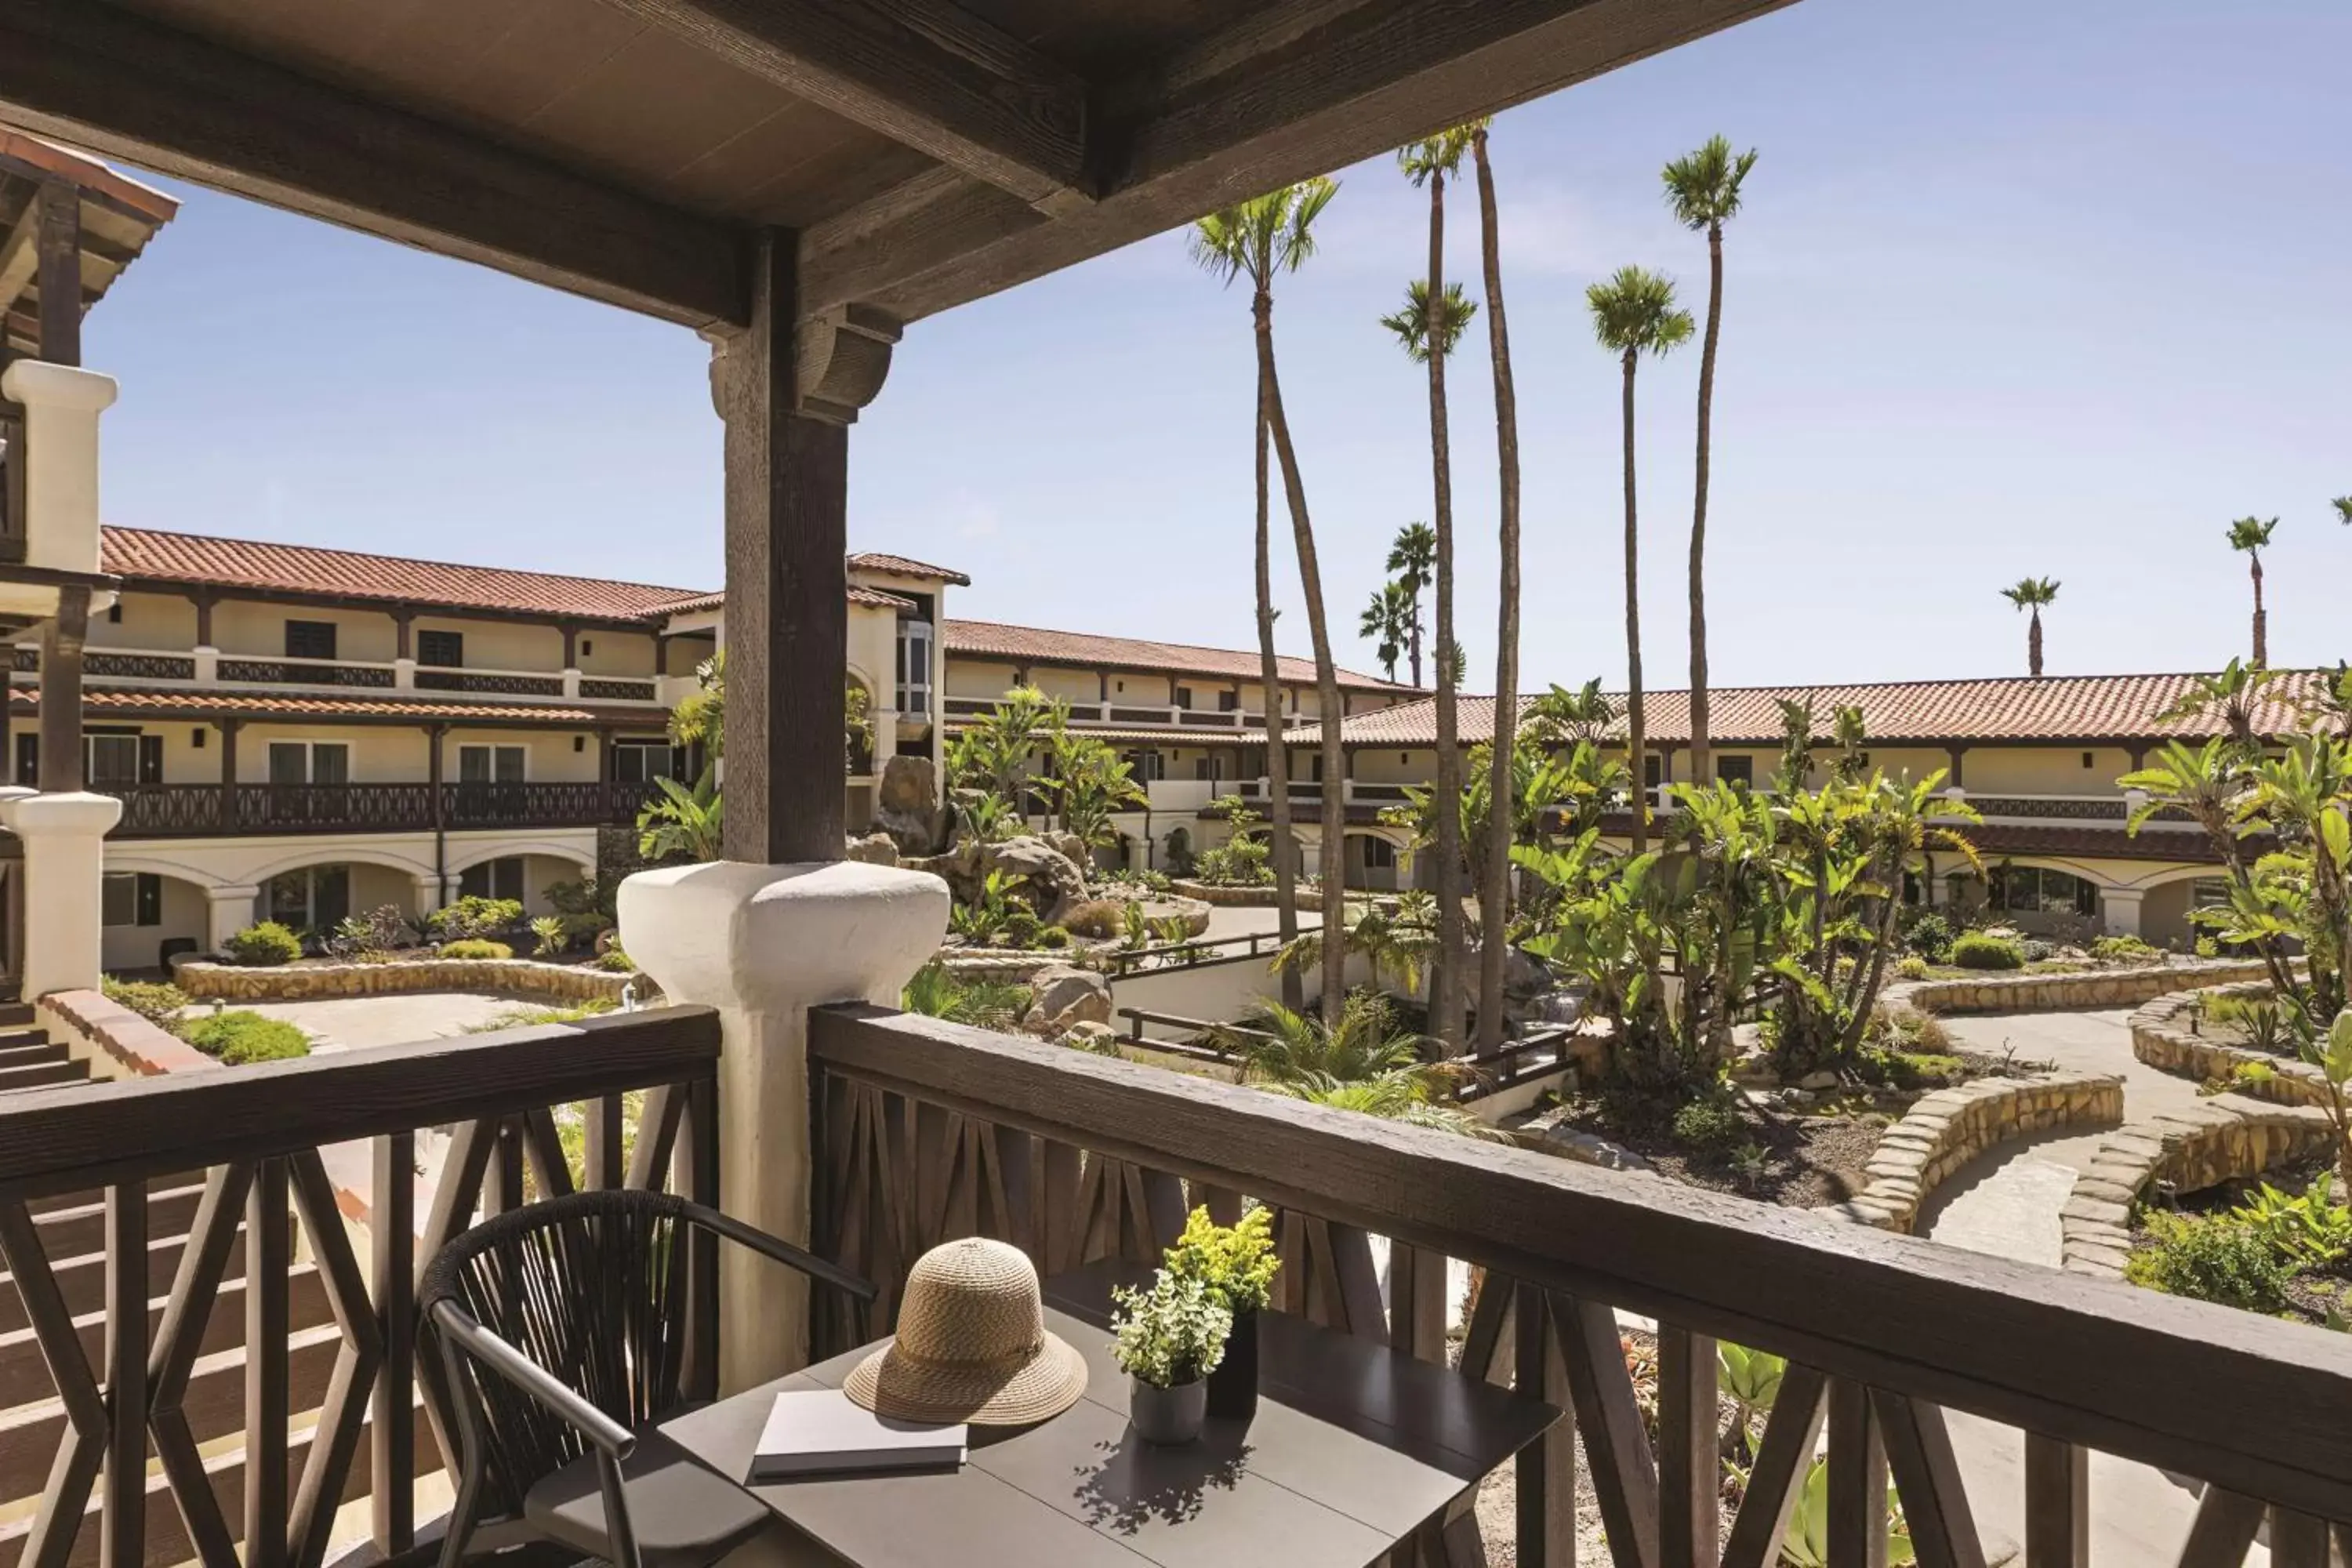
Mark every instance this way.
x=197 y=811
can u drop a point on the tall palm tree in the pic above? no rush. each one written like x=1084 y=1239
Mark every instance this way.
x=1634 y=314
x=1412 y=560
x=2032 y=594
x=1495 y=887
x=1704 y=191
x=1391 y=622
x=1427 y=163
x=2343 y=505
x=2252 y=535
x=1257 y=239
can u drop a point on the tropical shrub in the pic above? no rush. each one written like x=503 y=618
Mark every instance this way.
x=240 y=1037
x=550 y=936
x=2214 y=1257
x=473 y=917
x=2126 y=950
x=1807 y=1544
x=2311 y=1230
x=683 y=824
x=614 y=959
x=371 y=936
x=936 y=992
x=1974 y=949
x=1911 y=967
x=1713 y=1124
x=1241 y=861
x=1236 y=1262
x=1929 y=935
x=263 y=944
x=475 y=947
x=156 y=1001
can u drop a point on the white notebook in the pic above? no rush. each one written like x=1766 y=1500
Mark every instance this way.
x=822 y=1432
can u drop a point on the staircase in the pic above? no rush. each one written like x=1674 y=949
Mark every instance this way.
x=28 y=1059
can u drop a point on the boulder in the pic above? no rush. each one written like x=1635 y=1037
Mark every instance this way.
x=909 y=807
x=1819 y=1081
x=874 y=849
x=1051 y=880
x=1064 y=997
x=1100 y=1039
x=1076 y=850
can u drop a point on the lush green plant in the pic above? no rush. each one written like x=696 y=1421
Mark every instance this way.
x=1240 y=861
x=1236 y=1262
x=1929 y=935
x=1751 y=1381
x=522 y=1018
x=614 y=959
x=549 y=933
x=372 y=935
x=2212 y=1259
x=1362 y=1064
x=2261 y=1017
x=1712 y=1124
x=684 y=822
x=588 y=895
x=474 y=916
x=1911 y=967
x=936 y=992
x=153 y=1000
x=1976 y=950
x=1134 y=928
x=2126 y=950
x=1399 y=946
x=1807 y=1544
x=475 y=947
x=264 y=943
x=1090 y=785
x=2311 y=1230
x=240 y=1037
x=989 y=758
x=1171 y=1335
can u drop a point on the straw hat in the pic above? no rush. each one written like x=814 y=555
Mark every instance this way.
x=971 y=1344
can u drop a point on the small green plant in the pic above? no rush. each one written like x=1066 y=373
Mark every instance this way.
x=1751 y=1381
x=1807 y=1544
x=371 y=937
x=2311 y=1230
x=1171 y=1335
x=1713 y=1124
x=618 y=962
x=936 y=992
x=473 y=917
x=2252 y=1076
x=1054 y=937
x=1929 y=936
x=1171 y=930
x=2210 y=1258
x=2126 y=950
x=264 y=945
x=552 y=938
x=522 y=1018
x=1236 y=1262
x=474 y=947
x=2265 y=1025
x=156 y=1001
x=2208 y=947
x=1976 y=950
x=1911 y=967
x=240 y=1037
x=984 y=920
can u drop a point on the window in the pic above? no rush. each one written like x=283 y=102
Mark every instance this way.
x=914 y=668
x=1147 y=766
x=1653 y=769
x=1736 y=770
x=1183 y=696
x=2208 y=893
x=111 y=761
x=309 y=762
x=315 y=899
x=131 y=899
x=309 y=639
x=1228 y=701
x=499 y=879
x=1211 y=768
x=491 y=765
x=1380 y=855
x=2025 y=890
x=444 y=651
x=641 y=762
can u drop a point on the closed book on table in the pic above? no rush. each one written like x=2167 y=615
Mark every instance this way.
x=821 y=1433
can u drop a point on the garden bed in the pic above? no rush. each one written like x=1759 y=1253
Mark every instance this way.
x=1794 y=1159
x=2063 y=986
x=308 y=978
x=2310 y=1291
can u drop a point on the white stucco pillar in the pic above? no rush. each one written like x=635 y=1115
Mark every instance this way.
x=571 y=683
x=231 y=910
x=886 y=736
x=207 y=661
x=430 y=894
x=62 y=406
x=404 y=674
x=764 y=944
x=65 y=858
x=2121 y=908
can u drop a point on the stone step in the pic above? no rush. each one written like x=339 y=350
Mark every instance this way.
x=27 y=1053
x=43 y=1075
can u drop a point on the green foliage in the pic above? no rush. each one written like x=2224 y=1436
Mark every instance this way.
x=371 y=936
x=475 y=947
x=1171 y=1335
x=587 y=896
x=474 y=916
x=1714 y=1123
x=702 y=716
x=1807 y=1544
x=1974 y=949
x=936 y=992
x=1236 y=1262
x=156 y=1001
x=2212 y=1259
x=238 y=1036
x=1362 y=1064
x=523 y=1017
x=614 y=959
x=1911 y=967
x=2126 y=950
x=1750 y=1378
x=1929 y=935
x=263 y=944
x=996 y=918
x=549 y=935
x=1241 y=861
x=2311 y=1230
x=682 y=823
x=2260 y=1017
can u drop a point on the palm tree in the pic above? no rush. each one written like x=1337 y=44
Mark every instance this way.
x=1633 y=314
x=1704 y=191
x=1413 y=558
x=1427 y=163
x=1260 y=237
x=2252 y=535
x=1273 y=232
x=1567 y=717
x=1495 y=890
x=1391 y=622
x=2031 y=593
x=2343 y=505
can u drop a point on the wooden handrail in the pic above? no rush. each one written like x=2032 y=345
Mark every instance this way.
x=2255 y=1407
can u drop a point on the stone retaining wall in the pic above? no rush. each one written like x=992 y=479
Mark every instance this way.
x=1946 y=1129
x=304 y=982
x=117 y=1042
x=2225 y=1137
x=2161 y=1037
x=1999 y=993
x=1241 y=897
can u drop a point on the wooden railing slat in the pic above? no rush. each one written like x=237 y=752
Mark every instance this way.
x=82 y=1448
x=1545 y=1470
x=1857 y=1479
x=2057 y=1503
x=1690 y=1474
x=2297 y=1541
x=268 y=1252
x=696 y=1179
x=1609 y=1418
x=122 y=1516
x=1783 y=1458
x=204 y=1262
x=392 y=1434
x=2225 y=1526
x=336 y=1444
x=605 y=1164
x=1927 y=1479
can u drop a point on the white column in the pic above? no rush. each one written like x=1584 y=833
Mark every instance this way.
x=571 y=683
x=62 y=408
x=430 y=894
x=230 y=912
x=764 y=944
x=65 y=860
x=2121 y=906
x=884 y=721
x=404 y=674
x=208 y=663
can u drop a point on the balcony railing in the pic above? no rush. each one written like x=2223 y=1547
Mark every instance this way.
x=168 y=811
x=490 y=682
x=304 y=672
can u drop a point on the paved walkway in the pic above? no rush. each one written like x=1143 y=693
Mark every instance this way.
x=350 y=1021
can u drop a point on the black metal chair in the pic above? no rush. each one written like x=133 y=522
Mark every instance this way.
x=562 y=1327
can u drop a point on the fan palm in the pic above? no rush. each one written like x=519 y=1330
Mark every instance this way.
x=1391 y=623
x=1362 y=1064
x=1634 y=314
x=1413 y=559
x=2031 y=593
x=1495 y=887
x=1428 y=163
x=1259 y=238
x=2252 y=535
x=1704 y=191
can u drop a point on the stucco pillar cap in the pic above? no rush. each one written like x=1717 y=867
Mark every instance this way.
x=769 y=939
x=36 y=383
x=75 y=814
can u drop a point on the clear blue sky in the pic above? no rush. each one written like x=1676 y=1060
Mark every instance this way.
x=2022 y=289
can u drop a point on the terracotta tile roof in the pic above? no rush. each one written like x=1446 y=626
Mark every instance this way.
x=1996 y=839
x=2008 y=708
x=899 y=565
x=1165 y=736
x=101 y=701
x=994 y=639
x=876 y=599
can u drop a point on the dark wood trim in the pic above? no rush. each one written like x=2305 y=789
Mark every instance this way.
x=927 y=75
x=61 y=769
x=105 y=78
x=58 y=273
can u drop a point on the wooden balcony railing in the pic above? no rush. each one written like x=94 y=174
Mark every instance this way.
x=199 y=1183
x=179 y=811
x=928 y=1131
x=305 y=672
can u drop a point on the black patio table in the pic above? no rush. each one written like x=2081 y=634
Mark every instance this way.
x=1353 y=1449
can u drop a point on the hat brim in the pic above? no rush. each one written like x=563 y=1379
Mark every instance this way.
x=1039 y=1388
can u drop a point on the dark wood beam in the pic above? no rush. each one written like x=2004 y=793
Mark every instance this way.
x=19 y=253
x=100 y=77
x=926 y=74
x=1305 y=88
x=59 y=277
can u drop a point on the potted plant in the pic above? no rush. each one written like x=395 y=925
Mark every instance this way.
x=1170 y=1338
x=1237 y=1264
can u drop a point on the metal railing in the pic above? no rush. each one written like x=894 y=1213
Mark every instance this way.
x=166 y=811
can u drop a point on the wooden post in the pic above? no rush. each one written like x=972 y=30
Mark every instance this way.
x=61 y=641
x=432 y=736
x=572 y=645
x=787 y=391
x=59 y=277
x=228 y=728
x=1955 y=753
x=404 y=622
x=204 y=599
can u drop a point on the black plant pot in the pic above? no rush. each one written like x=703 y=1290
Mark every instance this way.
x=1232 y=1387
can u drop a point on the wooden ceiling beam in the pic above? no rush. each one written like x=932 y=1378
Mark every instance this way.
x=922 y=72
x=101 y=78
x=18 y=254
x=1302 y=88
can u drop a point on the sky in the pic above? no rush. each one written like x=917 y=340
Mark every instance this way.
x=2019 y=289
